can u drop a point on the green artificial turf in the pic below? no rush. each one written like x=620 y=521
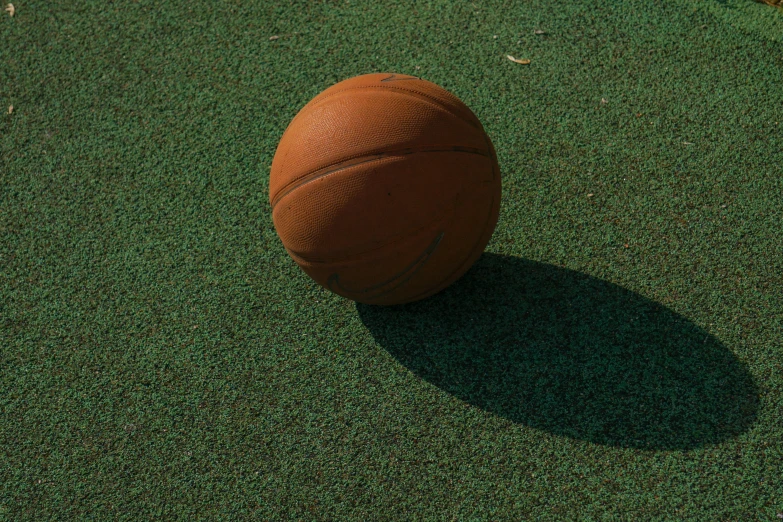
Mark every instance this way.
x=616 y=353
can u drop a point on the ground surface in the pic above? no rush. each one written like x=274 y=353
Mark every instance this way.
x=615 y=353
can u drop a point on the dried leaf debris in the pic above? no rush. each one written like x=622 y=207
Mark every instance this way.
x=523 y=61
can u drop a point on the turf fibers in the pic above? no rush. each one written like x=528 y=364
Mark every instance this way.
x=615 y=354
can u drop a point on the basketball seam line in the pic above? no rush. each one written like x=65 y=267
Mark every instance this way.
x=442 y=284
x=492 y=157
x=401 y=236
x=394 y=239
x=407 y=273
x=413 y=94
x=393 y=78
x=367 y=158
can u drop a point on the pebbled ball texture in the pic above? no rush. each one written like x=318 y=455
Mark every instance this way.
x=385 y=189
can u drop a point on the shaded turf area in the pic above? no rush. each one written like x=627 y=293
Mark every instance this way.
x=615 y=353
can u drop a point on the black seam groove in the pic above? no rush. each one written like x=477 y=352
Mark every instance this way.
x=447 y=209
x=393 y=78
x=413 y=94
x=407 y=273
x=437 y=288
x=342 y=165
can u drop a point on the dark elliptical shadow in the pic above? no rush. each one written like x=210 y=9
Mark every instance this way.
x=573 y=355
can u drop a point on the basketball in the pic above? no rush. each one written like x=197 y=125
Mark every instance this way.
x=385 y=189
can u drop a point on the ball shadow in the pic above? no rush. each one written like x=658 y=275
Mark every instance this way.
x=576 y=356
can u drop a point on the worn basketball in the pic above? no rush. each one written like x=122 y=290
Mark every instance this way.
x=385 y=189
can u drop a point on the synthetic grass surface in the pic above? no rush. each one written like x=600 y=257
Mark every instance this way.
x=616 y=353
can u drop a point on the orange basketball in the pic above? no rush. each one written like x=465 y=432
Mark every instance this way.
x=385 y=188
